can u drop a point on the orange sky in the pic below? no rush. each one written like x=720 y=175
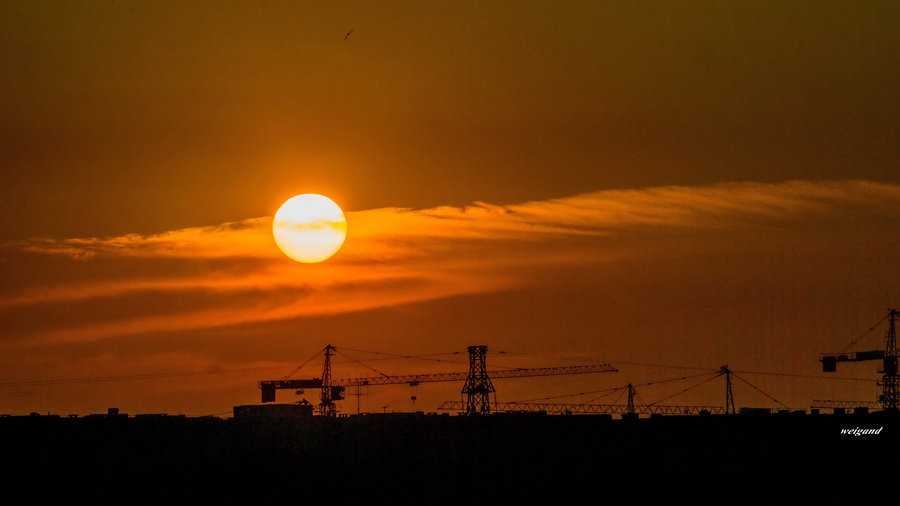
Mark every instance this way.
x=694 y=186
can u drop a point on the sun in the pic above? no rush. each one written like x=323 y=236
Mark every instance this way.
x=309 y=228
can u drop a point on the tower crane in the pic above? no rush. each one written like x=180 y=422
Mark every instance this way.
x=890 y=380
x=478 y=381
x=628 y=409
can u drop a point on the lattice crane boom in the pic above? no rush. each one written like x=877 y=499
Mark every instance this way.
x=414 y=379
x=462 y=376
x=477 y=380
x=589 y=409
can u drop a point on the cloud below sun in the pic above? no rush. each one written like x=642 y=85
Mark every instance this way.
x=233 y=273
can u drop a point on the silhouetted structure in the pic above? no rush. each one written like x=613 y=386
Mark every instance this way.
x=845 y=404
x=329 y=395
x=477 y=386
x=890 y=380
x=629 y=408
x=414 y=451
x=729 y=393
x=273 y=411
x=563 y=408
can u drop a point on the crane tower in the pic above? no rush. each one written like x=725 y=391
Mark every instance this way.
x=890 y=380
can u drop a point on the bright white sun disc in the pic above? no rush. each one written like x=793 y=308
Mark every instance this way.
x=309 y=228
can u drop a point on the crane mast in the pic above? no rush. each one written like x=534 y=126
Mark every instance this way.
x=478 y=387
x=889 y=397
x=326 y=406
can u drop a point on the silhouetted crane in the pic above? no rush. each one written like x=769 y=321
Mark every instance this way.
x=890 y=381
x=628 y=409
x=478 y=385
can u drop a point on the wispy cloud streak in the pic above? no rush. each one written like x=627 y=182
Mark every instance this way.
x=396 y=256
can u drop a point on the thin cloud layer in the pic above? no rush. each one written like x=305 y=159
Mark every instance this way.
x=724 y=205
x=235 y=275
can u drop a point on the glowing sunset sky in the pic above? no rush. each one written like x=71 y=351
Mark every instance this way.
x=697 y=184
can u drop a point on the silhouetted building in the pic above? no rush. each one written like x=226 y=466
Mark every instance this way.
x=273 y=411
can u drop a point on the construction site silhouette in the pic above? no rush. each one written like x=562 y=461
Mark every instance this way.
x=485 y=445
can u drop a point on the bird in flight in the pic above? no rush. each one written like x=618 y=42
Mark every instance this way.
x=348 y=34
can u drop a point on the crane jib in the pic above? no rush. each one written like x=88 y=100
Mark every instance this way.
x=270 y=386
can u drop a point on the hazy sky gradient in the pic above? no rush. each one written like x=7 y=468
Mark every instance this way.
x=693 y=183
x=125 y=117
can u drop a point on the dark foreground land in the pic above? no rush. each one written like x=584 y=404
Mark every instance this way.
x=501 y=451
